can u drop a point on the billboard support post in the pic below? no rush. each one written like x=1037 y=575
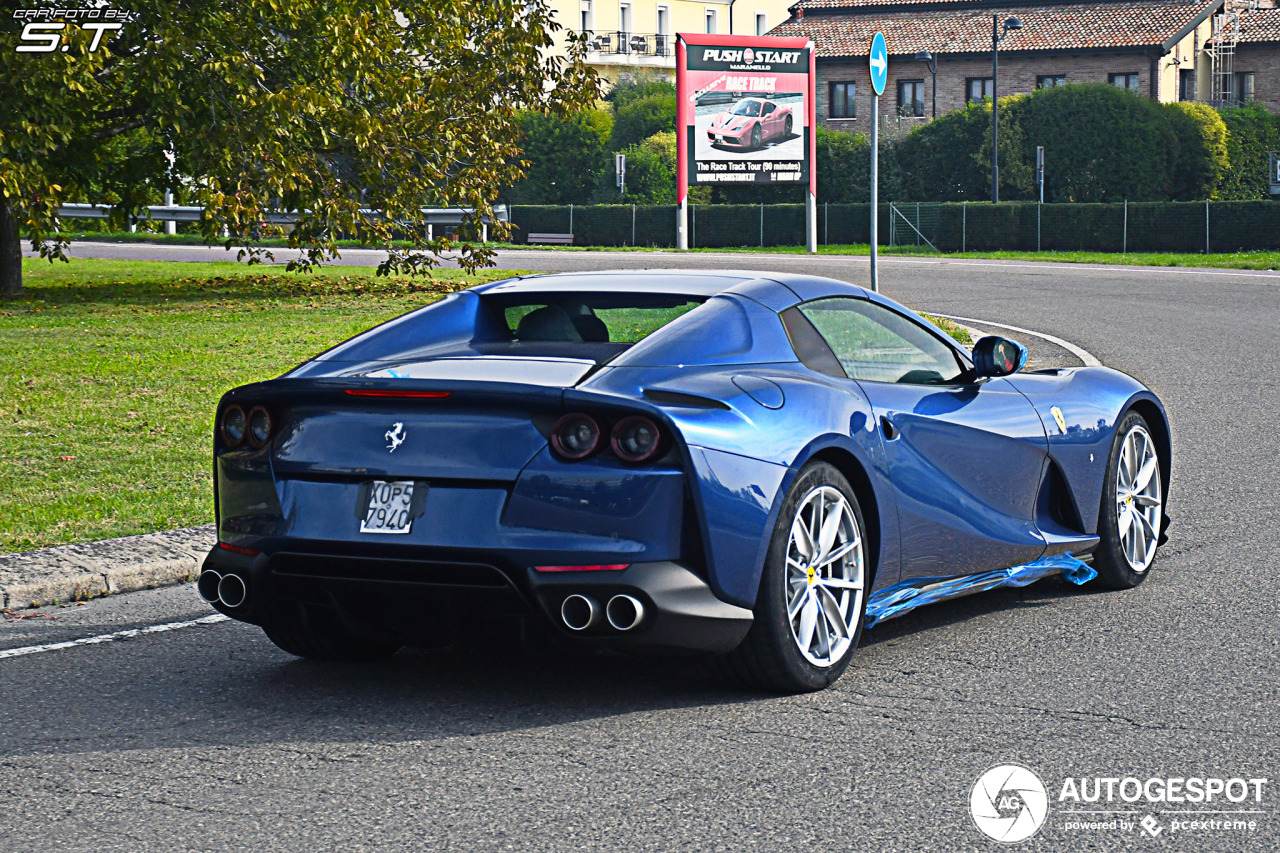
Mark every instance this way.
x=745 y=115
x=811 y=198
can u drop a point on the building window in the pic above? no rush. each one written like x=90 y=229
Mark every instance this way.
x=1049 y=81
x=662 y=44
x=624 y=20
x=1244 y=86
x=843 y=104
x=977 y=88
x=586 y=16
x=711 y=22
x=910 y=97
x=762 y=23
x=1123 y=81
x=1187 y=84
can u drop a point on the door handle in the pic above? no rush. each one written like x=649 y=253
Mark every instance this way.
x=886 y=426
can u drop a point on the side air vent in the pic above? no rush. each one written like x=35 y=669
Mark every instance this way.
x=675 y=398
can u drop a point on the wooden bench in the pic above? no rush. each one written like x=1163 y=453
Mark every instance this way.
x=551 y=239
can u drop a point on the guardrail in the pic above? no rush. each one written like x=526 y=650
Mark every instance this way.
x=174 y=213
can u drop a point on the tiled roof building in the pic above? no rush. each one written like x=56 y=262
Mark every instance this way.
x=1161 y=48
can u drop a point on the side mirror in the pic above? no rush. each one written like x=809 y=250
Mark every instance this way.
x=993 y=356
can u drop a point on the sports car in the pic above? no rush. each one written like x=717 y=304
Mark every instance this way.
x=758 y=466
x=750 y=123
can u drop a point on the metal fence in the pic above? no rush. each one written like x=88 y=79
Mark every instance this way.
x=953 y=227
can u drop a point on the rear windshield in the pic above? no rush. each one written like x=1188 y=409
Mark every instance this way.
x=575 y=319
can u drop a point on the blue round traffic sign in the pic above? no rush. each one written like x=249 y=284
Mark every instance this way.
x=879 y=63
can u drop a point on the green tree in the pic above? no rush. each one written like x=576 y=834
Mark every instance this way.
x=1252 y=132
x=642 y=118
x=566 y=155
x=639 y=85
x=1101 y=143
x=949 y=159
x=326 y=108
x=1202 y=150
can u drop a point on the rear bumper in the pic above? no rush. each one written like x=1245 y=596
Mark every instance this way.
x=416 y=600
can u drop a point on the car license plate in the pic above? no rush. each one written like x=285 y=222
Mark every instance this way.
x=390 y=507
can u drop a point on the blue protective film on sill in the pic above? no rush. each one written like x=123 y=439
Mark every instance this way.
x=907 y=596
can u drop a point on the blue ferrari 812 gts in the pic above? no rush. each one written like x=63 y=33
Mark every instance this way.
x=758 y=466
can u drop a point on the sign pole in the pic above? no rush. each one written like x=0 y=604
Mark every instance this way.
x=878 y=60
x=875 y=188
x=682 y=154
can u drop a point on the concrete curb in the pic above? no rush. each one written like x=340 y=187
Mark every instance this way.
x=72 y=572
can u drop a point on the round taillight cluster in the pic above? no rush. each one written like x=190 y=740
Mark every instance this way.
x=238 y=428
x=634 y=439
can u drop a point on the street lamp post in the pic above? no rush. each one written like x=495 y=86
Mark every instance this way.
x=932 y=64
x=996 y=36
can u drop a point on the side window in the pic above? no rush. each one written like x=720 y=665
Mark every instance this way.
x=879 y=345
x=769 y=108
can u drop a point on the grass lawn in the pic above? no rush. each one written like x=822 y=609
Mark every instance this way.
x=110 y=370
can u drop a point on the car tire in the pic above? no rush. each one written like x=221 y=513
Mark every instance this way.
x=755 y=136
x=1132 y=509
x=786 y=128
x=806 y=628
x=325 y=640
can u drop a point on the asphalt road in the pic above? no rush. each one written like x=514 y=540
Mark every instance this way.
x=207 y=737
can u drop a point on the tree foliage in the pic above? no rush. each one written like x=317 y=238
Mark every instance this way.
x=1102 y=143
x=639 y=85
x=566 y=155
x=642 y=118
x=949 y=159
x=326 y=108
x=1202 y=150
x=1252 y=132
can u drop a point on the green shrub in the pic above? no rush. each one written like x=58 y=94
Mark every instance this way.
x=949 y=159
x=1102 y=143
x=640 y=84
x=565 y=156
x=1202 y=150
x=642 y=118
x=1251 y=133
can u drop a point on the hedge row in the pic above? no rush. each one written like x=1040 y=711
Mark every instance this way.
x=1011 y=226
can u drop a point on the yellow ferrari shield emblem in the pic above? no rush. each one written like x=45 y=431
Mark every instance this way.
x=1059 y=419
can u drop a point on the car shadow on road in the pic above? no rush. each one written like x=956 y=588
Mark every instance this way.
x=227 y=685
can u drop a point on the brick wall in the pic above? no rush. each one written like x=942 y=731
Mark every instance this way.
x=1264 y=61
x=1017 y=74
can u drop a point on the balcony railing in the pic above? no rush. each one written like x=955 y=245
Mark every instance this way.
x=617 y=42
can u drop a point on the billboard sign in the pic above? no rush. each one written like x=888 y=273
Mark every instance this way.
x=745 y=110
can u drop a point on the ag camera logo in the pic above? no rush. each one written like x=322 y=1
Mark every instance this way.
x=1009 y=803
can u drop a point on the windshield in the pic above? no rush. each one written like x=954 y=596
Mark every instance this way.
x=747 y=108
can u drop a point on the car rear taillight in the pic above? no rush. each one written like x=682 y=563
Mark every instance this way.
x=636 y=439
x=575 y=436
x=259 y=432
x=233 y=425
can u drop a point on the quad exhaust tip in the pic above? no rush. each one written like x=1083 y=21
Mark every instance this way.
x=231 y=591
x=624 y=612
x=207 y=586
x=579 y=612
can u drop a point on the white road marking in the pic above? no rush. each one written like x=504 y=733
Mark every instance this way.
x=109 y=638
x=1083 y=354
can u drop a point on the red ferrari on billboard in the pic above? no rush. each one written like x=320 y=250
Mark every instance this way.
x=750 y=123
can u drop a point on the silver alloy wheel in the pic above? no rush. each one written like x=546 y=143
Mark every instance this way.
x=1138 y=499
x=825 y=576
